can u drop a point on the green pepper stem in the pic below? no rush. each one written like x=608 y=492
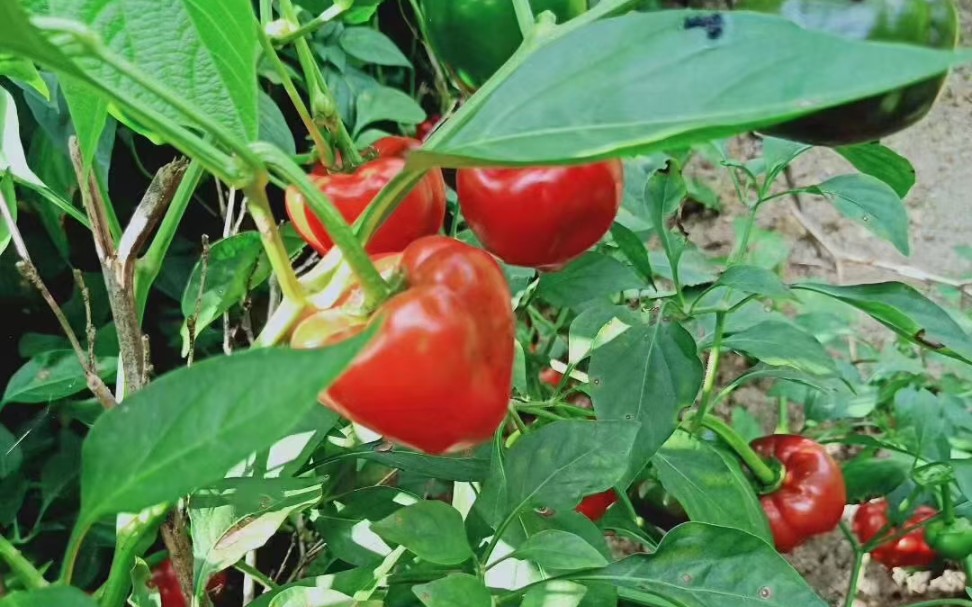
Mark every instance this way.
x=28 y=575
x=330 y=14
x=711 y=371
x=763 y=473
x=524 y=17
x=373 y=285
x=948 y=503
x=259 y=207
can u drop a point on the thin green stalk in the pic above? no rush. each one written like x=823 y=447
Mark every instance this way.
x=78 y=533
x=855 y=578
x=497 y=537
x=259 y=207
x=256 y=574
x=330 y=14
x=783 y=425
x=147 y=268
x=373 y=285
x=711 y=372
x=524 y=17
x=763 y=473
x=129 y=540
x=385 y=203
x=324 y=151
x=948 y=504
x=25 y=571
x=539 y=412
x=743 y=246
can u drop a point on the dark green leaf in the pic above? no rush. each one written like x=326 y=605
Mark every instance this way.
x=870 y=202
x=694 y=268
x=593 y=276
x=555 y=549
x=213 y=69
x=779 y=153
x=385 y=103
x=300 y=596
x=346 y=582
x=61 y=471
x=882 y=162
x=52 y=596
x=239 y=515
x=273 y=125
x=783 y=345
x=682 y=572
x=755 y=280
x=450 y=468
x=432 y=530
x=347 y=523
x=596 y=326
x=922 y=424
x=20 y=38
x=187 y=428
x=710 y=485
x=556 y=593
x=455 y=589
x=89 y=114
x=634 y=250
x=562 y=462
x=646 y=374
x=53 y=375
x=371 y=46
x=572 y=98
x=868 y=477
x=905 y=311
x=11 y=457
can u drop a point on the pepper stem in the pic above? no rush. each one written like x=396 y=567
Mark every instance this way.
x=948 y=504
x=524 y=17
x=767 y=477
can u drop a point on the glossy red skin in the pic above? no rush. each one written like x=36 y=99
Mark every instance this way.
x=541 y=217
x=438 y=374
x=596 y=506
x=910 y=551
x=421 y=213
x=551 y=377
x=812 y=497
x=425 y=129
x=164 y=578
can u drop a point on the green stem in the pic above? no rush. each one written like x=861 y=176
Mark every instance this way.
x=324 y=151
x=539 y=412
x=150 y=264
x=783 y=425
x=855 y=578
x=763 y=473
x=524 y=17
x=711 y=372
x=743 y=246
x=497 y=537
x=373 y=285
x=330 y=14
x=256 y=574
x=385 y=203
x=259 y=207
x=129 y=540
x=948 y=504
x=28 y=575
x=71 y=552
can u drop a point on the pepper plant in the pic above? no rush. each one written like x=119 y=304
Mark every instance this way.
x=466 y=367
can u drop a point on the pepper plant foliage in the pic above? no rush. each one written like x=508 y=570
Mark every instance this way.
x=181 y=426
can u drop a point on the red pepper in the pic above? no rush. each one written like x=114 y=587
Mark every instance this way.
x=425 y=129
x=871 y=519
x=596 y=506
x=812 y=497
x=551 y=377
x=421 y=213
x=541 y=217
x=437 y=376
x=164 y=578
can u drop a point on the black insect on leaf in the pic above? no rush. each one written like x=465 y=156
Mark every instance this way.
x=713 y=24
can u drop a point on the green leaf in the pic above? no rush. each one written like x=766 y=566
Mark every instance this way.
x=20 y=38
x=53 y=375
x=555 y=549
x=89 y=114
x=385 y=103
x=234 y=266
x=239 y=515
x=444 y=467
x=371 y=46
x=555 y=593
x=59 y=596
x=868 y=477
x=634 y=250
x=24 y=71
x=882 y=162
x=870 y=202
x=432 y=530
x=710 y=485
x=204 y=51
x=922 y=424
x=595 y=327
x=905 y=311
x=779 y=153
x=300 y=596
x=755 y=280
x=346 y=582
x=187 y=428
x=273 y=125
x=455 y=589
x=61 y=471
x=682 y=572
x=11 y=456
x=561 y=463
x=571 y=99
x=782 y=345
x=593 y=276
x=144 y=593
x=10 y=199
x=646 y=374
x=664 y=193
x=346 y=523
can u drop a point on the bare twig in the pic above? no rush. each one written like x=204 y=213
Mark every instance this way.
x=91 y=334
x=175 y=536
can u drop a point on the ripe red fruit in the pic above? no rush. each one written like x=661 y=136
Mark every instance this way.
x=911 y=550
x=541 y=217
x=164 y=578
x=596 y=506
x=421 y=213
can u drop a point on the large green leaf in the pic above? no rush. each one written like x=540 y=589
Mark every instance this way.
x=240 y=514
x=702 y=565
x=53 y=375
x=710 y=485
x=21 y=39
x=431 y=529
x=10 y=201
x=456 y=589
x=190 y=426
x=754 y=280
x=646 y=374
x=882 y=162
x=781 y=344
x=52 y=596
x=444 y=467
x=11 y=455
x=346 y=523
x=870 y=202
x=651 y=81
x=922 y=424
x=905 y=311
x=556 y=549
x=204 y=51
x=594 y=276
